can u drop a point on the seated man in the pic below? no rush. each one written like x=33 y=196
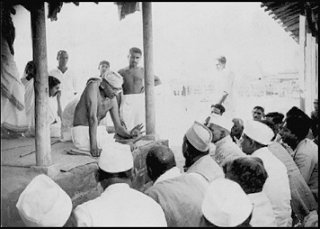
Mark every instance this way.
x=226 y=149
x=195 y=148
x=98 y=97
x=119 y=204
x=175 y=192
x=226 y=205
x=251 y=175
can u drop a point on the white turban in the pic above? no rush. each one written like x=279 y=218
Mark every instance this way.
x=221 y=121
x=43 y=203
x=258 y=131
x=113 y=78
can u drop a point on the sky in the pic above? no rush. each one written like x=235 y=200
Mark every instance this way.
x=187 y=37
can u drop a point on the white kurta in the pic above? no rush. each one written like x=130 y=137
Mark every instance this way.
x=277 y=186
x=262 y=215
x=120 y=205
x=68 y=85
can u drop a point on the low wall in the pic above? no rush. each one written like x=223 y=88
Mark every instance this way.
x=80 y=184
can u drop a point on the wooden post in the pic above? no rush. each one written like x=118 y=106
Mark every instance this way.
x=308 y=82
x=302 y=67
x=316 y=68
x=313 y=71
x=148 y=67
x=42 y=138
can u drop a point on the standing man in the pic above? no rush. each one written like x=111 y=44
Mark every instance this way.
x=66 y=77
x=225 y=81
x=255 y=140
x=132 y=102
x=104 y=66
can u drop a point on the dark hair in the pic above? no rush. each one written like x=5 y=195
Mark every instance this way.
x=60 y=52
x=222 y=59
x=160 y=159
x=53 y=81
x=220 y=107
x=248 y=172
x=135 y=50
x=299 y=126
x=102 y=175
x=104 y=62
x=277 y=117
x=259 y=108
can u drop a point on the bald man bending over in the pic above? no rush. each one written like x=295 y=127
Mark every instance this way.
x=96 y=100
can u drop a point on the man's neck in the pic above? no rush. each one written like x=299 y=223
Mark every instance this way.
x=105 y=184
x=63 y=69
x=133 y=66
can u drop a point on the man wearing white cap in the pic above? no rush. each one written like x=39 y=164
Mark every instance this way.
x=255 y=139
x=195 y=148
x=226 y=149
x=119 y=204
x=96 y=100
x=180 y=196
x=44 y=204
x=226 y=205
x=250 y=174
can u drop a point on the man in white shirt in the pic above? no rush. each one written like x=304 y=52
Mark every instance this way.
x=180 y=195
x=195 y=148
x=255 y=139
x=119 y=204
x=251 y=175
x=226 y=149
x=66 y=77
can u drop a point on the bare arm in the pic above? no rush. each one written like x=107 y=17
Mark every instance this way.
x=114 y=112
x=59 y=104
x=92 y=107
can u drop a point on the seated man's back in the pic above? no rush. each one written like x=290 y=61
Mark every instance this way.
x=180 y=199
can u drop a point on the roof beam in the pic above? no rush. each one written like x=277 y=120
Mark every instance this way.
x=284 y=8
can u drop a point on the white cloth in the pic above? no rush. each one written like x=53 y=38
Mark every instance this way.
x=13 y=116
x=81 y=137
x=120 y=205
x=199 y=136
x=67 y=119
x=132 y=110
x=224 y=82
x=68 y=85
x=277 y=186
x=43 y=203
x=29 y=101
x=258 y=131
x=171 y=173
x=262 y=215
x=227 y=150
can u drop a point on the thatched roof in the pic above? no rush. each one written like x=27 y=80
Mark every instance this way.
x=288 y=15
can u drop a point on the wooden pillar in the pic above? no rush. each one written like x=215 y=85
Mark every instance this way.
x=308 y=82
x=148 y=68
x=316 y=68
x=42 y=138
x=302 y=43
x=313 y=70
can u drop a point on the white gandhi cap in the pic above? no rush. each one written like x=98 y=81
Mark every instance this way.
x=43 y=203
x=115 y=159
x=199 y=136
x=114 y=78
x=221 y=121
x=225 y=203
x=258 y=132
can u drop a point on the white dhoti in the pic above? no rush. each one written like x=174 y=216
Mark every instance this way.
x=81 y=138
x=132 y=110
x=67 y=119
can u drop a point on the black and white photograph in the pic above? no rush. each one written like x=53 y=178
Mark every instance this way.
x=159 y=114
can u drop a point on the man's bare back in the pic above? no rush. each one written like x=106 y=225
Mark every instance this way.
x=81 y=115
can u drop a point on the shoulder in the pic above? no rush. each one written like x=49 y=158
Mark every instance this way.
x=123 y=70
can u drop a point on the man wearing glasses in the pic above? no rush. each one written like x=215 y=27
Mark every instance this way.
x=97 y=99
